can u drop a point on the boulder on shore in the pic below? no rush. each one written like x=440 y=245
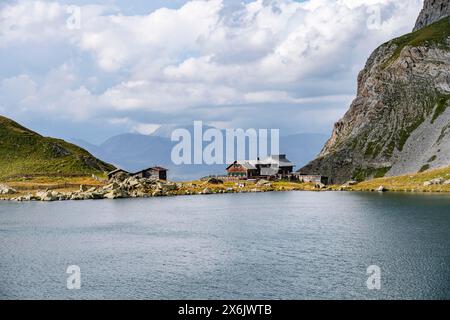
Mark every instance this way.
x=437 y=181
x=116 y=194
x=207 y=191
x=4 y=189
x=263 y=183
x=319 y=185
x=49 y=195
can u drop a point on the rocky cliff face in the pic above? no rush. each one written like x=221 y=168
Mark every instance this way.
x=400 y=121
x=433 y=10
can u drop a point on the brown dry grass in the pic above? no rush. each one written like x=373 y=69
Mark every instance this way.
x=24 y=186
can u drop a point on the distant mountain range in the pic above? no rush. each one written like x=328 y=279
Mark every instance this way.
x=136 y=151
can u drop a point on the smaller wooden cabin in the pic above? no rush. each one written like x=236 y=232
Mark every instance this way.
x=159 y=173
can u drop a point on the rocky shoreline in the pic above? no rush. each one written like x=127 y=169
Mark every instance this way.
x=129 y=188
x=134 y=187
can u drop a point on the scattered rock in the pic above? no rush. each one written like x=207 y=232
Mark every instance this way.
x=157 y=193
x=381 y=189
x=49 y=195
x=4 y=189
x=131 y=182
x=120 y=176
x=27 y=197
x=437 y=181
x=115 y=194
x=264 y=183
x=319 y=185
x=111 y=186
x=206 y=191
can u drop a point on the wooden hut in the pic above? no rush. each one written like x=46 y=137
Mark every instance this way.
x=159 y=173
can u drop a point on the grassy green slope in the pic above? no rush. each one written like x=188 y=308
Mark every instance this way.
x=435 y=34
x=26 y=153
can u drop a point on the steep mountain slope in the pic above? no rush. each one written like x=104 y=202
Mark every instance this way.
x=433 y=10
x=26 y=153
x=400 y=120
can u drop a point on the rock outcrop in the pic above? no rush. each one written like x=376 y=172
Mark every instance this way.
x=400 y=121
x=129 y=188
x=433 y=10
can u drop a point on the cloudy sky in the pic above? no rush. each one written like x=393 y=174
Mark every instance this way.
x=91 y=69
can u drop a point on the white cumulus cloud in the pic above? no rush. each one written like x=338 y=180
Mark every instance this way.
x=192 y=61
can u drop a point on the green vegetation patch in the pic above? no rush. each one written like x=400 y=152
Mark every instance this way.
x=441 y=105
x=402 y=137
x=406 y=132
x=443 y=133
x=424 y=168
x=361 y=174
x=373 y=149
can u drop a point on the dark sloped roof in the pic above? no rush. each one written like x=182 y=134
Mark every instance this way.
x=159 y=168
x=277 y=160
x=117 y=170
x=246 y=164
x=152 y=169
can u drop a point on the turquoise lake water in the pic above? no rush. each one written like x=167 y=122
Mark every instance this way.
x=291 y=245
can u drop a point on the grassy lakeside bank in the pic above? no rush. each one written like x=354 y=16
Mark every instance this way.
x=409 y=182
x=41 y=183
